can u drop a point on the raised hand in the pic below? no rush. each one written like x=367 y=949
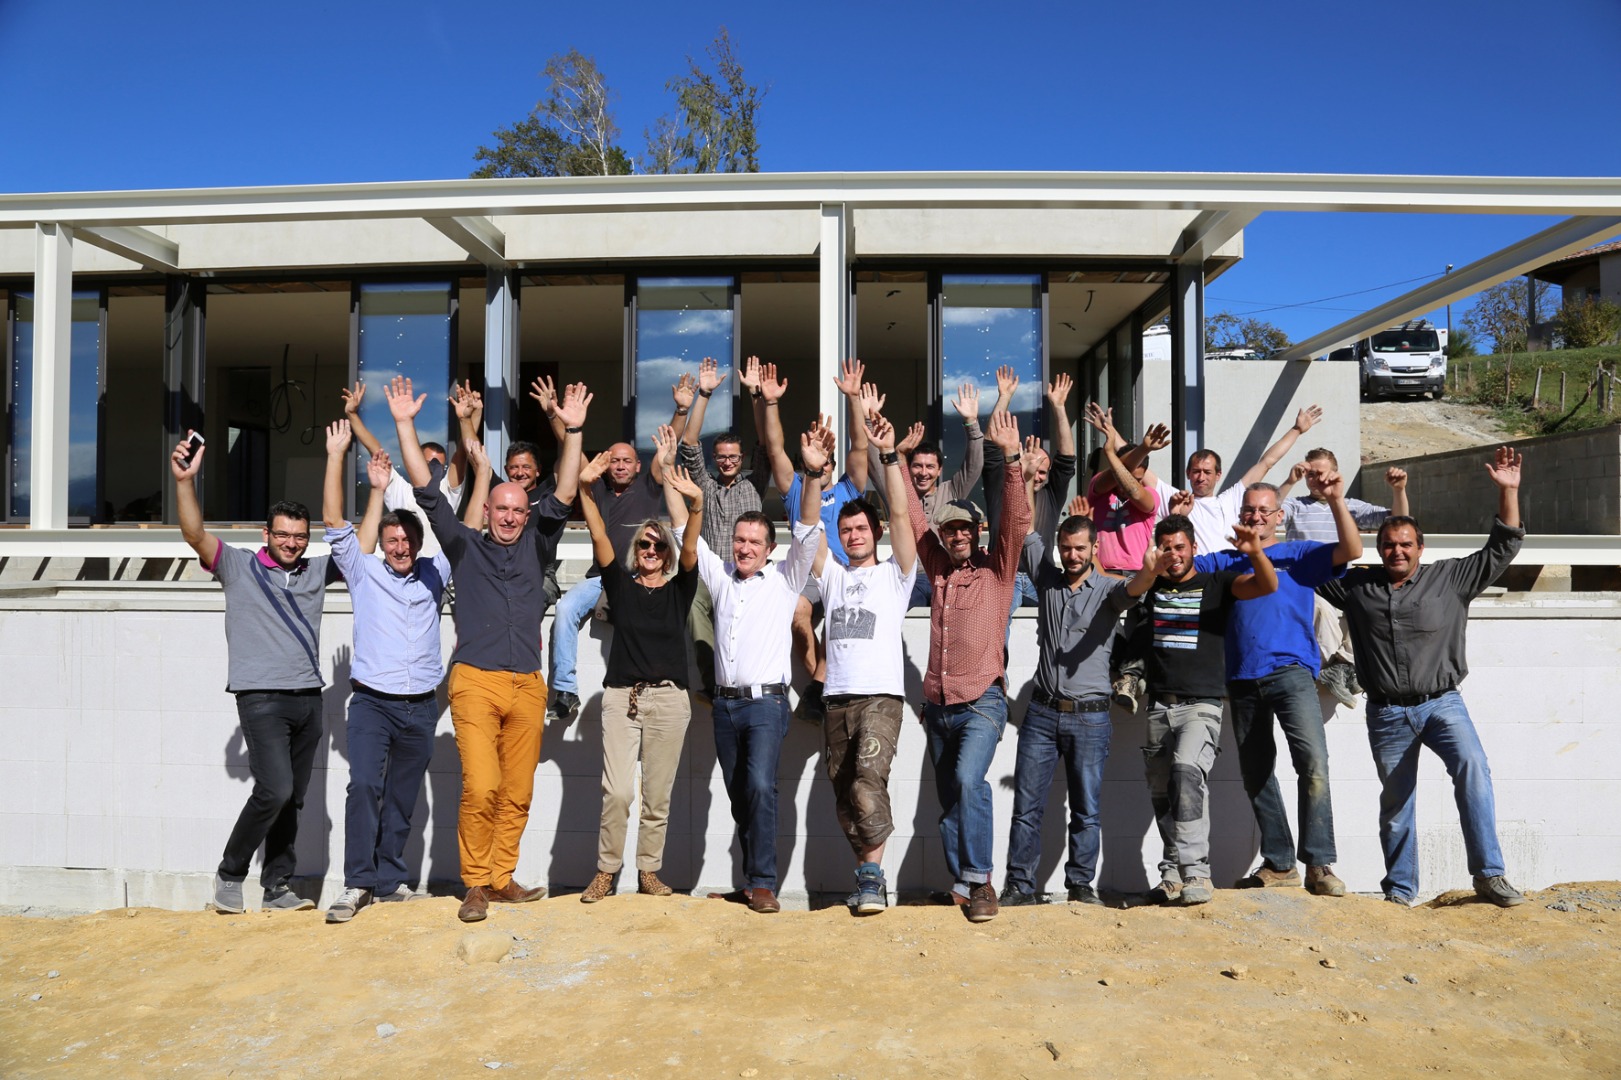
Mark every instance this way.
x=1156 y=438
x=1327 y=482
x=816 y=446
x=681 y=480
x=544 y=392
x=967 y=401
x=710 y=376
x=338 y=437
x=177 y=460
x=591 y=471
x=772 y=387
x=1079 y=506
x=1246 y=539
x=1181 y=503
x=1098 y=418
x=379 y=469
x=1005 y=432
x=849 y=378
x=401 y=403
x=1306 y=417
x=664 y=441
x=683 y=390
x=465 y=400
x=1396 y=478
x=1007 y=381
x=352 y=398
x=1298 y=472
x=1034 y=459
x=572 y=409
x=1058 y=390
x=882 y=434
x=1156 y=560
x=477 y=455
x=872 y=402
x=914 y=436
x=1505 y=468
x=750 y=376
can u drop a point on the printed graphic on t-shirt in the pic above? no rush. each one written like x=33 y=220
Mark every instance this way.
x=1176 y=619
x=849 y=621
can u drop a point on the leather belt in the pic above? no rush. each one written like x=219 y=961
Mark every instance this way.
x=1185 y=699
x=1072 y=705
x=1410 y=700
x=755 y=690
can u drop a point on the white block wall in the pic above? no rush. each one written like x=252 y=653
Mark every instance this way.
x=122 y=767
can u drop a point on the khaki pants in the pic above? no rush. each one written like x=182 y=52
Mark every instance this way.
x=655 y=736
x=498 y=717
x=1328 y=624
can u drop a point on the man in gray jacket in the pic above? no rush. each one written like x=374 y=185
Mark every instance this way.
x=1407 y=623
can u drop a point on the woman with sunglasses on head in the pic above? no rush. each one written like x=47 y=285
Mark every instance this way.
x=645 y=707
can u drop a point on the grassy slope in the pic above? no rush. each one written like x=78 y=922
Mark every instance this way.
x=1480 y=381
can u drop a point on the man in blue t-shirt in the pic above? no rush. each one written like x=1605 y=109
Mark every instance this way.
x=1272 y=665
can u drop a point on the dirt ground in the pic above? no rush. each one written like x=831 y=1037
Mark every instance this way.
x=1406 y=428
x=1273 y=983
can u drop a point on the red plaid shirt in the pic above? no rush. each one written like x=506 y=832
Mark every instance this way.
x=968 y=605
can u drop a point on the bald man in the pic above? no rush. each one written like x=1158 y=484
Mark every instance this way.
x=626 y=498
x=497 y=694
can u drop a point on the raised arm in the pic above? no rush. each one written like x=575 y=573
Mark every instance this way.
x=902 y=542
x=1304 y=420
x=1331 y=486
x=404 y=406
x=1015 y=521
x=973 y=457
x=815 y=449
x=1007 y=381
x=351 y=412
x=1135 y=493
x=1262 y=578
x=379 y=471
x=204 y=543
x=1397 y=479
x=474 y=501
x=544 y=391
x=1155 y=563
x=683 y=391
x=602 y=545
x=1035 y=459
x=1297 y=473
x=571 y=413
x=768 y=417
x=683 y=494
x=1504 y=469
x=1057 y=400
x=338 y=439
x=469 y=406
x=856 y=463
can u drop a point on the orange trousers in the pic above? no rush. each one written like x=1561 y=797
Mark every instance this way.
x=499 y=716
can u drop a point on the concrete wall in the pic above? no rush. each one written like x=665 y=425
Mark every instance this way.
x=122 y=767
x=1571 y=485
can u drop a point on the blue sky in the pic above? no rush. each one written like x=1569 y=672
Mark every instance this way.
x=199 y=94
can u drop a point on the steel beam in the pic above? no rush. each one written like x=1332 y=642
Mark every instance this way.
x=1205 y=235
x=501 y=390
x=476 y=236
x=136 y=244
x=1187 y=367
x=833 y=312
x=53 y=354
x=1570 y=235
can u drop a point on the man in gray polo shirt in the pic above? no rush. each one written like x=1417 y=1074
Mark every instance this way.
x=1078 y=610
x=273 y=603
x=1408 y=623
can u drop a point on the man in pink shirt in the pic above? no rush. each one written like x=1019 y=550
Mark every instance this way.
x=1124 y=509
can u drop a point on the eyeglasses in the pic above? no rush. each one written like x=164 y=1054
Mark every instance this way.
x=728 y=457
x=288 y=538
x=650 y=545
x=1256 y=511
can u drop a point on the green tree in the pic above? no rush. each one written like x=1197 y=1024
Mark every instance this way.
x=714 y=126
x=1224 y=330
x=1589 y=323
x=1500 y=313
x=569 y=132
x=1461 y=343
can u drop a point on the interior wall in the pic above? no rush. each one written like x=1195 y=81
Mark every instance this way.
x=135 y=463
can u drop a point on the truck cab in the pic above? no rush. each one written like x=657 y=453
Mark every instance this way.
x=1406 y=359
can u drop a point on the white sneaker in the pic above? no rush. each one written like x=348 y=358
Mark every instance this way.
x=398 y=896
x=348 y=902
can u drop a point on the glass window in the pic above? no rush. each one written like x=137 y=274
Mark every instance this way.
x=405 y=329
x=679 y=321
x=986 y=321
x=84 y=403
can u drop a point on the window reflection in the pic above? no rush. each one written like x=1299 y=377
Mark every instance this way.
x=986 y=321
x=84 y=401
x=404 y=330
x=679 y=321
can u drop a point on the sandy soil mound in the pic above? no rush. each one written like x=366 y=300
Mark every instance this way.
x=1273 y=983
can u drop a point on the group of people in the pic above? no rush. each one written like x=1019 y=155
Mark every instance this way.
x=1186 y=603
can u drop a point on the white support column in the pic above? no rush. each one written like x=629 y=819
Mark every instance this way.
x=834 y=317
x=1187 y=366
x=501 y=390
x=53 y=352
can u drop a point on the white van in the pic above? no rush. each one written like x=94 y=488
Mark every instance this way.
x=1406 y=359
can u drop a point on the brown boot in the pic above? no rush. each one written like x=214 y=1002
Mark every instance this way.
x=476 y=908
x=1322 y=881
x=601 y=886
x=982 y=904
x=648 y=883
x=513 y=893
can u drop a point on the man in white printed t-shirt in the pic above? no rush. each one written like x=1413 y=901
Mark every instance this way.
x=1214 y=515
x=865 y=606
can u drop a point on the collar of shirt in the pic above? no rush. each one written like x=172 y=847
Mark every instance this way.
x=271 y=564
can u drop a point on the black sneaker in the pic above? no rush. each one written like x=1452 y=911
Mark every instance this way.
x=565 y=707
x=1084 y=894
x=1012 y=897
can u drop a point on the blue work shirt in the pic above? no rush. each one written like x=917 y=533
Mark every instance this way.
x=833 y=500
x=1271 y=632
x=396 y=617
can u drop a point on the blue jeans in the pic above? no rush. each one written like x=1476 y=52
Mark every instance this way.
x=1082 y=740
x=962 y=741
x=282 y=731
x=572 y=610
x=1396 y=732
x=390 y=743
x=748 y=744
x=1290 y=694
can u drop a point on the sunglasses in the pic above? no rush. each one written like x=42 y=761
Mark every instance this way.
x=650 y=545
